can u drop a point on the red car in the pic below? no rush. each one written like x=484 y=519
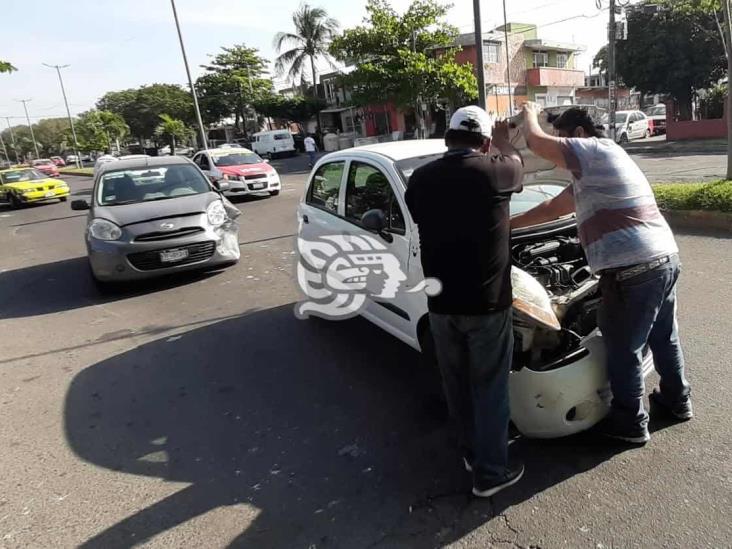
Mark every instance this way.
x=58 y=161
x=46 y=166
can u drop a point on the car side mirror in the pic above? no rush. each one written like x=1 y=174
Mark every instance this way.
x=79 y=205
x=265 y=160
x=375 y=220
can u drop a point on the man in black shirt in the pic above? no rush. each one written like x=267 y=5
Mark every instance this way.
x=460 y=203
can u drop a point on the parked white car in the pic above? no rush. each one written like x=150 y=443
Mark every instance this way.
x=559 y=383
x=273 y=143
x=631 y=125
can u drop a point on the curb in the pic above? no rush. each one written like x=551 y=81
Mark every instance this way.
x=649 y=149
x=81 y=174
x=699 y=220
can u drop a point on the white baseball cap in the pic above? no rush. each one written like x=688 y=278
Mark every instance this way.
x=472 y=119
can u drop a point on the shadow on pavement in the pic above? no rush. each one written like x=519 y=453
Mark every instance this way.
x=66 y=285
x=332 y=432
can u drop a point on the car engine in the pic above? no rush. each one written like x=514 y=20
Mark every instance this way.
x=559 y=264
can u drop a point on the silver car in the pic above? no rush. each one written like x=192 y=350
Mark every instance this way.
x=154 y=216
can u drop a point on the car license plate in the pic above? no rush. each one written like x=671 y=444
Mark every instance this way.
x=171 y=256
x=255 y=186
x=50 y=194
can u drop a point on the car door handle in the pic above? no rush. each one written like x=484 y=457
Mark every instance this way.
x=305 y=219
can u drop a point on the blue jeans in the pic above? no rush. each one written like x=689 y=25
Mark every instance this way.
x=635 y=314
x=474 y=355
x=311 y=156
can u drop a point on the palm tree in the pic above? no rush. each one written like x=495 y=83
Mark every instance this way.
x=313 y=32
x=172 y=129
x=6 y=67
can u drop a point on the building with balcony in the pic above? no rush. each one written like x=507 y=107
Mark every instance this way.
x=540 y=70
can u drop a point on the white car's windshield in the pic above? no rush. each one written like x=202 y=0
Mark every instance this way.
x=236 y=159
x=147 y=184
x=18 y=176
x=532 y=195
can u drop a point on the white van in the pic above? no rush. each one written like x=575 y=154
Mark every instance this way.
x=273 y=143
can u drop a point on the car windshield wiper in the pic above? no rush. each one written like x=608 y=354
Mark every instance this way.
x=121 y=202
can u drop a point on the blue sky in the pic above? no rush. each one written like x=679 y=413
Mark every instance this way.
x=117 y=44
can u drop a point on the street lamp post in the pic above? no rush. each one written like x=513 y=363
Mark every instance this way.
x=30 y=127
x=12 y=138
x=204 y=141
x=68 y=111
x=5 y=150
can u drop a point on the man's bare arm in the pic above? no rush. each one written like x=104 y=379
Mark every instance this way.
x=540 y=143
x=554 y=208
x=502 y=143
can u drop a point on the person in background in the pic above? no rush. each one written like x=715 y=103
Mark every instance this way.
x=310 y=148
x=460 y=203
x=629 y=244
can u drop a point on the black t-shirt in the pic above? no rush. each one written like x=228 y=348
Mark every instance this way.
x=460 y=203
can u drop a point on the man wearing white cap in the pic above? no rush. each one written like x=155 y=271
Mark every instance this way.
x=460 y=203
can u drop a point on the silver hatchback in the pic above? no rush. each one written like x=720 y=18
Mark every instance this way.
x=154 y=216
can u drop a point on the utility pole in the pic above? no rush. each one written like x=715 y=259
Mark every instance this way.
x=508 y=59
x=68 y=111
x=728 y=33
x=27 y=118
x=611 y=76
x=479 y=49
x=202 y=132
x=5 y=150
x=12 y=138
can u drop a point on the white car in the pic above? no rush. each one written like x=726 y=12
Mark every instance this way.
x=657 y=118
x=246 y=171
x=558 y=384
x=631 y=125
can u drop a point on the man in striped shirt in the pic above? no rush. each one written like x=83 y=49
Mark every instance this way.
x=631 y=247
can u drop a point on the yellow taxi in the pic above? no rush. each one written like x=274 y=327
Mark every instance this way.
x=20 y=186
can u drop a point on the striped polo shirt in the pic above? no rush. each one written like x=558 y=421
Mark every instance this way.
x=618 y=220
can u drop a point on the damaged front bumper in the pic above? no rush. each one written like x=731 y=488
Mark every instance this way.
x=567 y=396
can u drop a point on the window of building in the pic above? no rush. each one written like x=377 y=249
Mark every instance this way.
x=562 y=60
x=541 y=59
x=491 y=51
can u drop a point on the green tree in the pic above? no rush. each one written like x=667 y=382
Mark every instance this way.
x=172 y=130
x=141 y=108
x=407 y=58
x=668 y=51
x=53 y=135
x=235 y=79
x=97 y=130
x=6 y=67
x=314 y=30
x=298 y=109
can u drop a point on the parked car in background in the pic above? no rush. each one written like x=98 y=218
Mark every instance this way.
x=20 y=186
x=246 y=171
x=657 y=118
x=272 y=144
x=58 y=161
x=154 y=216
x=631 y=125
x=46 y=166
x=71 y=159
x=558 y=383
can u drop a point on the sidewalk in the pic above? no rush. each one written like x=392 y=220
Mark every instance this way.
x=659 y=145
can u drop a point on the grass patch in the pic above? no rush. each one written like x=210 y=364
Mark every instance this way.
x=716 y=196
x=77 y=171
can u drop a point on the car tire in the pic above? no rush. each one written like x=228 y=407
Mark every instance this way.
x=274 y=193
x=14 y=201
x=623 y=138
x=648 y=134
x=64 y=198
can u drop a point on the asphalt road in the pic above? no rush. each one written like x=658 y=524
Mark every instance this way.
x=688 y=167
x=199 y=412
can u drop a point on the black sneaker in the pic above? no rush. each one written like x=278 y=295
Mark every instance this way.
x=633 y=434
x=468 y=464
x=485 y=488
x=680 y=411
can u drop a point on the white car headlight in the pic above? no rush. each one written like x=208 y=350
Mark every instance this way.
x=101 y=229
x=273 y=175
x=531 y=300
x=216 y=213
